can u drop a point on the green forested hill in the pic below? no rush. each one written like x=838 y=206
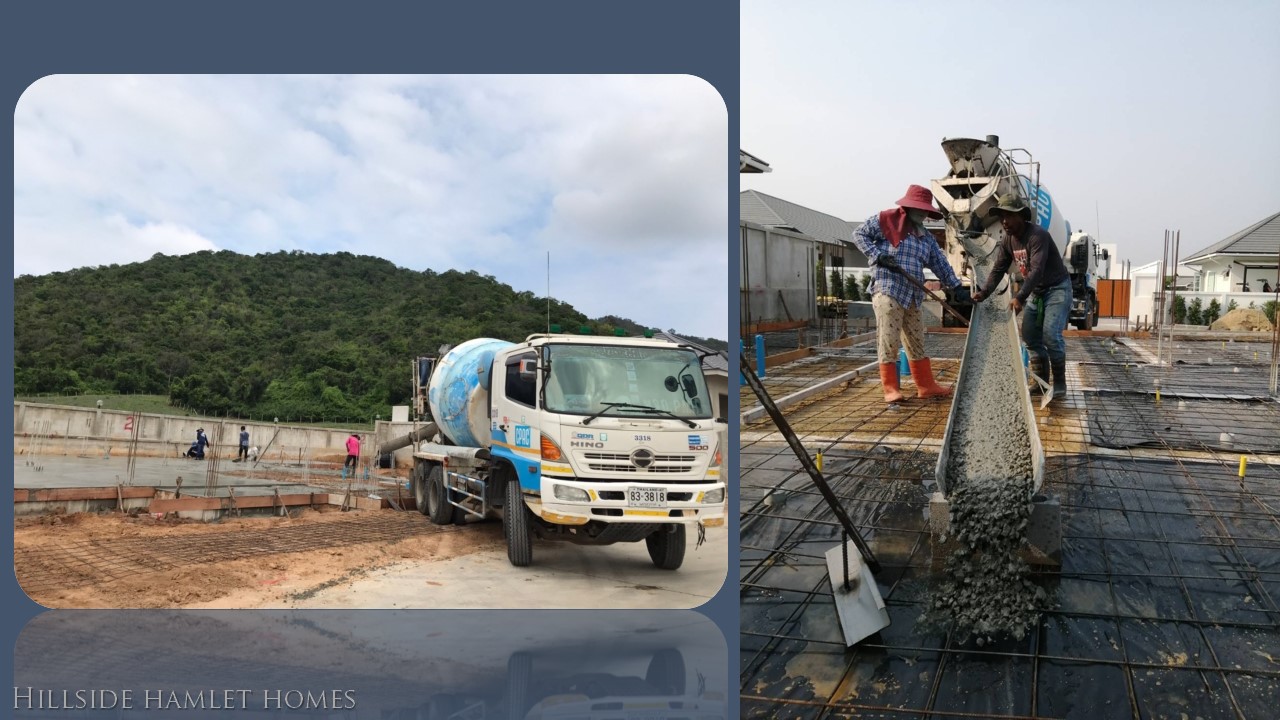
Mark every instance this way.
x=286 y=334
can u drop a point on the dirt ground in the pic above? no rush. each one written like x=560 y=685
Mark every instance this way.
x=108 y=560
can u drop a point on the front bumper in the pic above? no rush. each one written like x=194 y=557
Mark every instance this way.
x=608 y=503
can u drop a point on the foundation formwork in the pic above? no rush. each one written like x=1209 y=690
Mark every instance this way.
x=1165 y=603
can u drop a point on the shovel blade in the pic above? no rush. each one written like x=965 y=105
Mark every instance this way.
x=860 y=608
x=1046 y=390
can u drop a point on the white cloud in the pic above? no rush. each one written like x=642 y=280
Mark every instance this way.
x=483 y=173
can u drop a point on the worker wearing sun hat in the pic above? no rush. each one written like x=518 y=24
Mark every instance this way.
x=1046 y=284
x=896 y=245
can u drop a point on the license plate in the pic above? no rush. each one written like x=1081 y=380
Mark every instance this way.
x=646 y=497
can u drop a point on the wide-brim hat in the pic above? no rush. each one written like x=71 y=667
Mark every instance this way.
x=1012 y=204
x=919 y=198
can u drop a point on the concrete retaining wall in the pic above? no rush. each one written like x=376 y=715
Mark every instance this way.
x=61 y=430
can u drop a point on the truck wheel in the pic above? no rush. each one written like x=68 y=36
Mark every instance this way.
x=1090 y=315
x=519 y=676
x=666 y=671
x=666 y=547
x=515 y=525
x=420 y=486
x=438 y=507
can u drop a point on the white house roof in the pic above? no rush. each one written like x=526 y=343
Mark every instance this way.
x=1152 y=268
x=748 y=163
x=1261 y=238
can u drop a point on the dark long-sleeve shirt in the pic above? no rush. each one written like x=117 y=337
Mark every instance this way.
x=1038 y=260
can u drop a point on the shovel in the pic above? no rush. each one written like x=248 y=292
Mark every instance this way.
x=850 y=565
x=1045 y=388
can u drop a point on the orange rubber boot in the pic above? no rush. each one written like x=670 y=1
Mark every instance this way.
x=889 y=379
x=926 y=386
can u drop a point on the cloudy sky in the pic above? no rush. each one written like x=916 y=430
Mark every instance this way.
x=1144 y=116
x=622 y=179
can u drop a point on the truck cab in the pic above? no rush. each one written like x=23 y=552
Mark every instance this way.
x=593 y=440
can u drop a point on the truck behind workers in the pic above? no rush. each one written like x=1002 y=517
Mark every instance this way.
x=587 y=439
x=981 y=172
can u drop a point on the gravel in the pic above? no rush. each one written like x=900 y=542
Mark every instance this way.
x=986 y=591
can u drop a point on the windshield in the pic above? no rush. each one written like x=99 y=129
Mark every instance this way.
x=612 y=380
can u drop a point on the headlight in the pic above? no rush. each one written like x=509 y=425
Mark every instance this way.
x=572 y=494
x=713 y=497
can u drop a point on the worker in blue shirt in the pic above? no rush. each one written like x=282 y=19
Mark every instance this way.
x=896 y=244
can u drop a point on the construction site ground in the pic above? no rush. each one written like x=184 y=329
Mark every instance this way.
x=1165 y=603
x=314 y=557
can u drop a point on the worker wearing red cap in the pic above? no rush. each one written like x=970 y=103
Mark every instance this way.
x=897 y=245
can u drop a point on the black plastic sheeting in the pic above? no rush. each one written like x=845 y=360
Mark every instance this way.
x=1165 y=604
x=1241 y=382
x=1125 y=421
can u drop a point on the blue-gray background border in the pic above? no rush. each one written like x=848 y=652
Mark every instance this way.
x=549 y=36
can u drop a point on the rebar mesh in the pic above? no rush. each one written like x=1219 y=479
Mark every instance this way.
x=1165 y=603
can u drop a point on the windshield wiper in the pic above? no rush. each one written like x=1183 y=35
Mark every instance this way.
x=643 y=408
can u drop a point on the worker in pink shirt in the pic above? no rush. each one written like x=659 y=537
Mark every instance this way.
x=353 y=452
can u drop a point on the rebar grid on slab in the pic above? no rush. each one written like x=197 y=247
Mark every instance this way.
x=1166 y=599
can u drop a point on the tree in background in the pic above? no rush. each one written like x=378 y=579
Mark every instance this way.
x=1179 y=310
x=1269 y=309
x=1232 y=306
x=837 y=287
x=1213 y=312
x=822 y=278
x=1195 y=312
x=851 y=291
x=865 y=282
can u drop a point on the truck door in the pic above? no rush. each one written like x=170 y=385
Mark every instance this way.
x=515 y=417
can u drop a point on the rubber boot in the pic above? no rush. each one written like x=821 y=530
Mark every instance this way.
x=926 y=385
x=889 y=379
x=1059 y=379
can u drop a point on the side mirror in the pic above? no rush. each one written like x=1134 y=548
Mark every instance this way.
x=690 y=387
x=528 y=369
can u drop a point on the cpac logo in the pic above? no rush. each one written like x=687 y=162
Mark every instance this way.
x=524 y=436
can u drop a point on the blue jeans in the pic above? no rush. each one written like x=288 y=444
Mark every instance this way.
x=1043 y=320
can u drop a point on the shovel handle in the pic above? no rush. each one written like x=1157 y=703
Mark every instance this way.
x=927 y=291
x=784 y=427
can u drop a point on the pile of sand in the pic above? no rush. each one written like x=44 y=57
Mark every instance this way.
x=1242 y=319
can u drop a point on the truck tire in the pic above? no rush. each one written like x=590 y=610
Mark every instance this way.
x=438 y=507
x=1090 y=315
x=515 y=525
x=420 y=486
x=519 y=682
x=666 y=547
x=666 y=671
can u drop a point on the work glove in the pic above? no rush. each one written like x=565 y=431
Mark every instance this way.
x=886 y=261
x=961 y=295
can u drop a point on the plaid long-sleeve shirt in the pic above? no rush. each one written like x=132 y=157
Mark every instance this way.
x=917 y=251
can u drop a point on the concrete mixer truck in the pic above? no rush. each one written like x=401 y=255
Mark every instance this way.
x=587 y=439
x=981 y=172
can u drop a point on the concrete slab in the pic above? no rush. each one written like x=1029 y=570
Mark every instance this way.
x=562 y=576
